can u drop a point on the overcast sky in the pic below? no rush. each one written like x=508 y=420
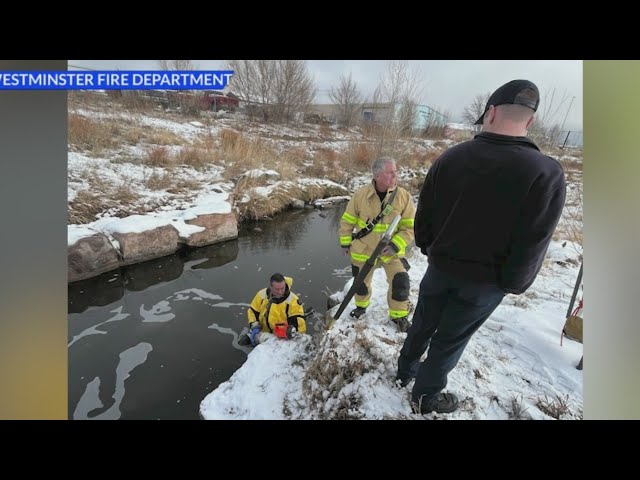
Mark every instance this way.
x=448 y=85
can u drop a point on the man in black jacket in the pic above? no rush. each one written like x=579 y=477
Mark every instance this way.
x=485 y=217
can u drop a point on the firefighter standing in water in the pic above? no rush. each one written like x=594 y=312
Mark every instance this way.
x=275 y=310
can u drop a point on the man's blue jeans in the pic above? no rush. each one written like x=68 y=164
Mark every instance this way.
x=449 y=311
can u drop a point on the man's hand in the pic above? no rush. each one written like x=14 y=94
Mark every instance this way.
x=253 y=332
x=346 y=250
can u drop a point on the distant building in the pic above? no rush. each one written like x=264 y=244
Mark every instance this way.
x=425 y=116
x=376 y=113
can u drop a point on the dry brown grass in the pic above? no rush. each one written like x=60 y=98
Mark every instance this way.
x=123 y=194
x=229 y=139
x=359 y=156
x=99 y=197
x=432 y=131
x=570 y=226
x=90 y=135
x=207 y=141
x=157 y=136
x=327 y=374
x=281 y=198
x=133 y=136
x=193 y=157
x=159 y=181
x=159 y=157
x=127 y=158
x=133 y=101
x=327 y=164
x=295 y=156
x=183 y=185
x=413 y=185
x=416 y=160
x=260 y=207
x=95 y=136
x=288 y=170
x=84 y=208
x=239 y=154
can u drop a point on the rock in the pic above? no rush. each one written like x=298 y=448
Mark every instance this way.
x=218 y=227
x=91 y=256
x=147 y=245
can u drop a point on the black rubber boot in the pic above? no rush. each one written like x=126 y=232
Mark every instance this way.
x=402 y=323
x=441 y=403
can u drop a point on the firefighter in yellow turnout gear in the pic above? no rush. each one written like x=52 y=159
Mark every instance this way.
x=275 y=310
x=366 y=218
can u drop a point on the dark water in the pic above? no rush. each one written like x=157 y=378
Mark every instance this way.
x=150 y=341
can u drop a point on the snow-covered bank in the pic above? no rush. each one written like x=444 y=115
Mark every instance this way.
x=513 y=367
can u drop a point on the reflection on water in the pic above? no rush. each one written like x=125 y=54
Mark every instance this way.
x=109 y=287
x=151 y=340
x=283 y=233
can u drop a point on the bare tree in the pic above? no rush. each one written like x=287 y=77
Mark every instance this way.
x=177 y=65
x=395 y=103
x=546 y=125
x=278 y=89
x=348 y=98
x=472 y=112
x=294 y=89
x=188 y=101
x=435 y=127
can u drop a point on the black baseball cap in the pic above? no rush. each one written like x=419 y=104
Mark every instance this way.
x=521 y=92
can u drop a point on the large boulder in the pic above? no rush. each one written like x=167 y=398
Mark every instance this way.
x=91 y=256
x=147 y=245
x=218 y=227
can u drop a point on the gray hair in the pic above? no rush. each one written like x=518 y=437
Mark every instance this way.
x=378 y=165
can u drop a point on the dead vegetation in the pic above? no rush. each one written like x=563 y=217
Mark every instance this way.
x=90 y=135
x=280 y=198
x=159 y=181
x=101 y=197
x=557 y=407
x=570 y=226
x=517 y=410
x=327 y=384
x=416 y=160
x=571 y=164
x=97 y=136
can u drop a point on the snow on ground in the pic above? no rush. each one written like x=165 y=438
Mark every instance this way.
x=204 y=204
x=513 y=366
x=184 y=128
